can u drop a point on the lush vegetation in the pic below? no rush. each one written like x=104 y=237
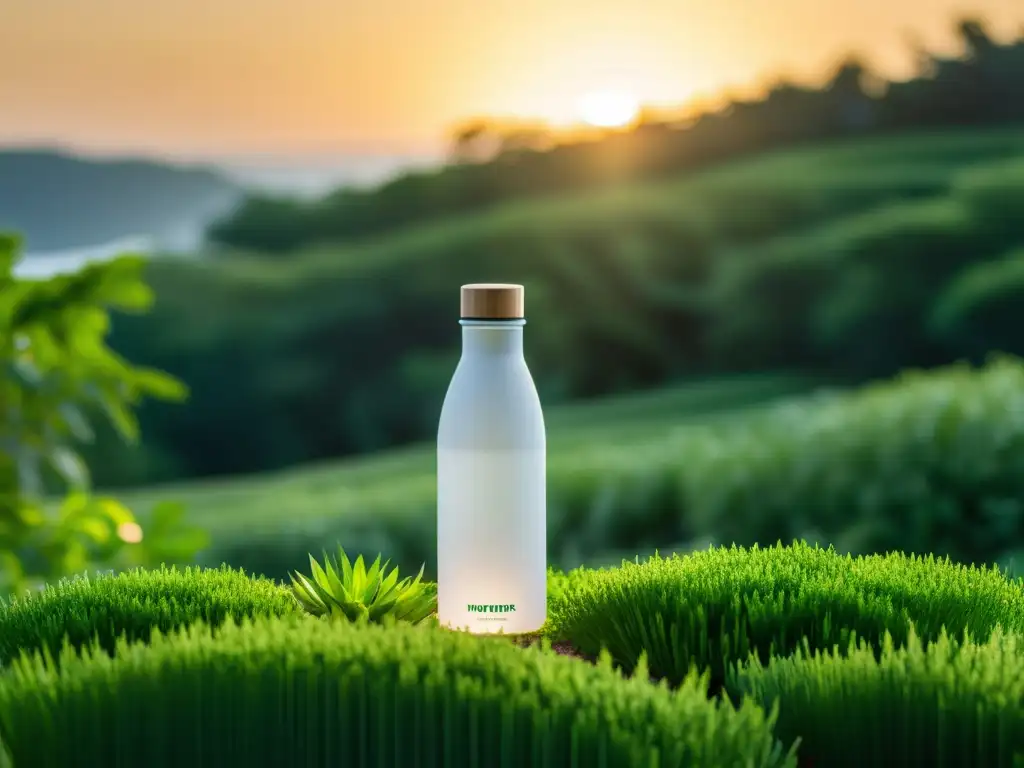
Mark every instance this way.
x=341 y=589
x=825 y=659
x=850 y=259
x=979 y=88
x=56 y=374
x=84 y=612
x=927 y=463
x=311 y=693
x=947 y=705
x=717 y=607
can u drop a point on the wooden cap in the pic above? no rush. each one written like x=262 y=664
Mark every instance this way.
x=492 y=301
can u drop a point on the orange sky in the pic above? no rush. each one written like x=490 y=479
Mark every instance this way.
x=195 y=77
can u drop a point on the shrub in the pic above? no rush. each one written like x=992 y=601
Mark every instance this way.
x=56 y=374
x=132 y=605
x=302 y=692
x=929 y=462
x=995 y=194
x=716 y=607
x=945 y=705
x=980 y=310
x=829 y=294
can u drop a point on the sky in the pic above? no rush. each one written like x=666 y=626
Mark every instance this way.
x=198 y=78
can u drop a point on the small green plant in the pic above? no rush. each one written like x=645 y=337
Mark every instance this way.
x=341 y=589
x=290 y=692
x=941 y=705
x=132 y=605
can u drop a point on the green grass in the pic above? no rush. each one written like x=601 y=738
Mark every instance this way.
x=102 y=609
x=943 y=705
x=717 y=607
x=878 y=660
x=306 y=692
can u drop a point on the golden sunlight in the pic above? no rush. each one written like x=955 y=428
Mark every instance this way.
x=608 y=109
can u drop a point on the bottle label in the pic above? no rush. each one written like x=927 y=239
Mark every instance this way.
x=492 y=536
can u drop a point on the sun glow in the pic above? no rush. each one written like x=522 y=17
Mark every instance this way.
x=608 y=109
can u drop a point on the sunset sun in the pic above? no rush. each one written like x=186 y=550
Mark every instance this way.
x=608 y=109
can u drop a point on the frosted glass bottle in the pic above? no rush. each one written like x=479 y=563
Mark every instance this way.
x=491 y=475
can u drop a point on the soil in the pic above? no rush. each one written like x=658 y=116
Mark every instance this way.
x=564 y=649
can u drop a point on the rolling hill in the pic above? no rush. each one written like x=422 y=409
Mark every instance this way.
x=60 y=201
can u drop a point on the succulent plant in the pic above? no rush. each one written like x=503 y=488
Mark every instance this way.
x=352 y=591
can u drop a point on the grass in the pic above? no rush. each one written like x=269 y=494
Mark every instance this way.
x=826 y=660
x=719 y=606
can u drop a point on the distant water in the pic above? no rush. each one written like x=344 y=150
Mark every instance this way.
x=302 y=178
x=312 y=177
x=42 y=264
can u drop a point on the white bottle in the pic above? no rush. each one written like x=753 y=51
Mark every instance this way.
x=491 y=475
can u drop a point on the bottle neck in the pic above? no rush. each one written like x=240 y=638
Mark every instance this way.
x=484 y=339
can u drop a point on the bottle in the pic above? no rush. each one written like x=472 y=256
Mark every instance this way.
x=492 y=475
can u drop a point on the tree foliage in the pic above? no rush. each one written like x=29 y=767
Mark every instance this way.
x=58 y=375
x=495 y=160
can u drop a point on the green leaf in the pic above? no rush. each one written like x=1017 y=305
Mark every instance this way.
x=114 y=510
x=334 y=582
x=381 y=608
x=160 y=385
x=122 y=419
x=121 y=285
x=346 y=568
x=69 y=465
x=372 y=582
x=388 y=584
x=10 y=249
x=321 y=585
x=307 y=595
x=96 y=529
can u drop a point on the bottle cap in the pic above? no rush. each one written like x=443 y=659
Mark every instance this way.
x=492 y=301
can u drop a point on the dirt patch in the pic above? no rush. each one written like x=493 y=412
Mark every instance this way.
x=565 y=649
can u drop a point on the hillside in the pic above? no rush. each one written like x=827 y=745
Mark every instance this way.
x=832 y=258
x=261 y=521
x=495 y=164
x=60 y=201
x=926 y=463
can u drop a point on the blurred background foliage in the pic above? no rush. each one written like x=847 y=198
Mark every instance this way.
x=702 y=298
x=58 y=376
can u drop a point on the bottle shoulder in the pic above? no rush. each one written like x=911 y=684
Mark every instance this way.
x=491 y=407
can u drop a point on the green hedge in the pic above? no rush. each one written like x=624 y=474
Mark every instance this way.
x=303 y=692
x=982 y=308
x=995 y=194
x=928 y=463
x=716 y=607
x=132 y=605
x=946 y=705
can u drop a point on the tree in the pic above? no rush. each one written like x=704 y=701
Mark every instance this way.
x=58 y=373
